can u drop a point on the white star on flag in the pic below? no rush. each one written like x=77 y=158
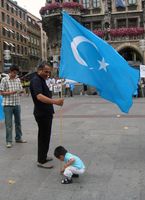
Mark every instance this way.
x=103 y=65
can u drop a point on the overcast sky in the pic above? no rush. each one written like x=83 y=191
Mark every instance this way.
x=32 y=6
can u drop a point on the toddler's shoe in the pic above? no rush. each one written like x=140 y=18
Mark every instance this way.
x=75 y=176
x=66 y=181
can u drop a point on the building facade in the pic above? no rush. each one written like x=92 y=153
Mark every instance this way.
x=13 y=35
x=44 y=42
x=119 y=22
x=21 y=38
x=34 y=43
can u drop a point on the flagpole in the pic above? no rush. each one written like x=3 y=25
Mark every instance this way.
x=60 y=125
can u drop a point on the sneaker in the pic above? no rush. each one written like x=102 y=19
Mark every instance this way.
x=21 y=141
x=75 y=176
x=9 y=145
x=45 y=165
x=66 y=181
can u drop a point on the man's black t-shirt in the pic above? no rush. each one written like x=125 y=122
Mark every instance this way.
x=38 y=86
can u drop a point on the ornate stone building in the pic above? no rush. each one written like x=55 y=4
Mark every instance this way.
x=121 y=23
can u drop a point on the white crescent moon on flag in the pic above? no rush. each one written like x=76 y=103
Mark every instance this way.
x=74 y=44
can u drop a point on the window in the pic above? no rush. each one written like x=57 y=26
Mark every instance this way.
x=21 y=38
x=16 y=11
x=9 y=34
x=17 y=24
x=18 y=36
x=25 y=40
x=25 y=50
x=132 y=2
x=121 y=23
x=97 y=25
x=20 y=14
x=31 y=40
x=22 y=49
x=3 y=31
x=86 y=3
x=14 y=35
x=12 y=10
x=2 y=3
x=133 y=22
x=29 y=50
x=8 y=7
x=3 y=17
x=29 y=19
x=24 y=28
x=96 y=3
x=21 y=27
x=12 y=21
x=18 y=48
x=35 y=41
x=14 y=48
x=8 y=19
x=38 y=42
x=5 y=45
x=32 y=51
x=24 y=16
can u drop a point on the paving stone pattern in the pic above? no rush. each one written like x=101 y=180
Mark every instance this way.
x=111 y=144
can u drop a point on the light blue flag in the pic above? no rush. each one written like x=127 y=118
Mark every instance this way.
x=88 y=59
x=120 y=3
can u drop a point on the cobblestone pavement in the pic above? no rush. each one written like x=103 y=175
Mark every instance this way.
x=111 y=144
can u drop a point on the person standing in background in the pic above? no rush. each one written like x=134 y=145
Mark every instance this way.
x=10 y=89
x=50 y=82
x=67 y=88
x=71 y=89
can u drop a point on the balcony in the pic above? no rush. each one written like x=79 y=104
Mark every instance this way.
x=134 y=33
x=52 y=9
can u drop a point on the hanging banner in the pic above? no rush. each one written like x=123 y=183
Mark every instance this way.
x=120 y=3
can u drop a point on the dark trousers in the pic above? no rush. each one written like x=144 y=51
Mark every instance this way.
x=67 y=91
x=44 y=135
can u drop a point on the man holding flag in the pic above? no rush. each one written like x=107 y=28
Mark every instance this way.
x=88 y=59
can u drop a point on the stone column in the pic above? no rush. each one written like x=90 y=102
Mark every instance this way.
x=142 y=48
